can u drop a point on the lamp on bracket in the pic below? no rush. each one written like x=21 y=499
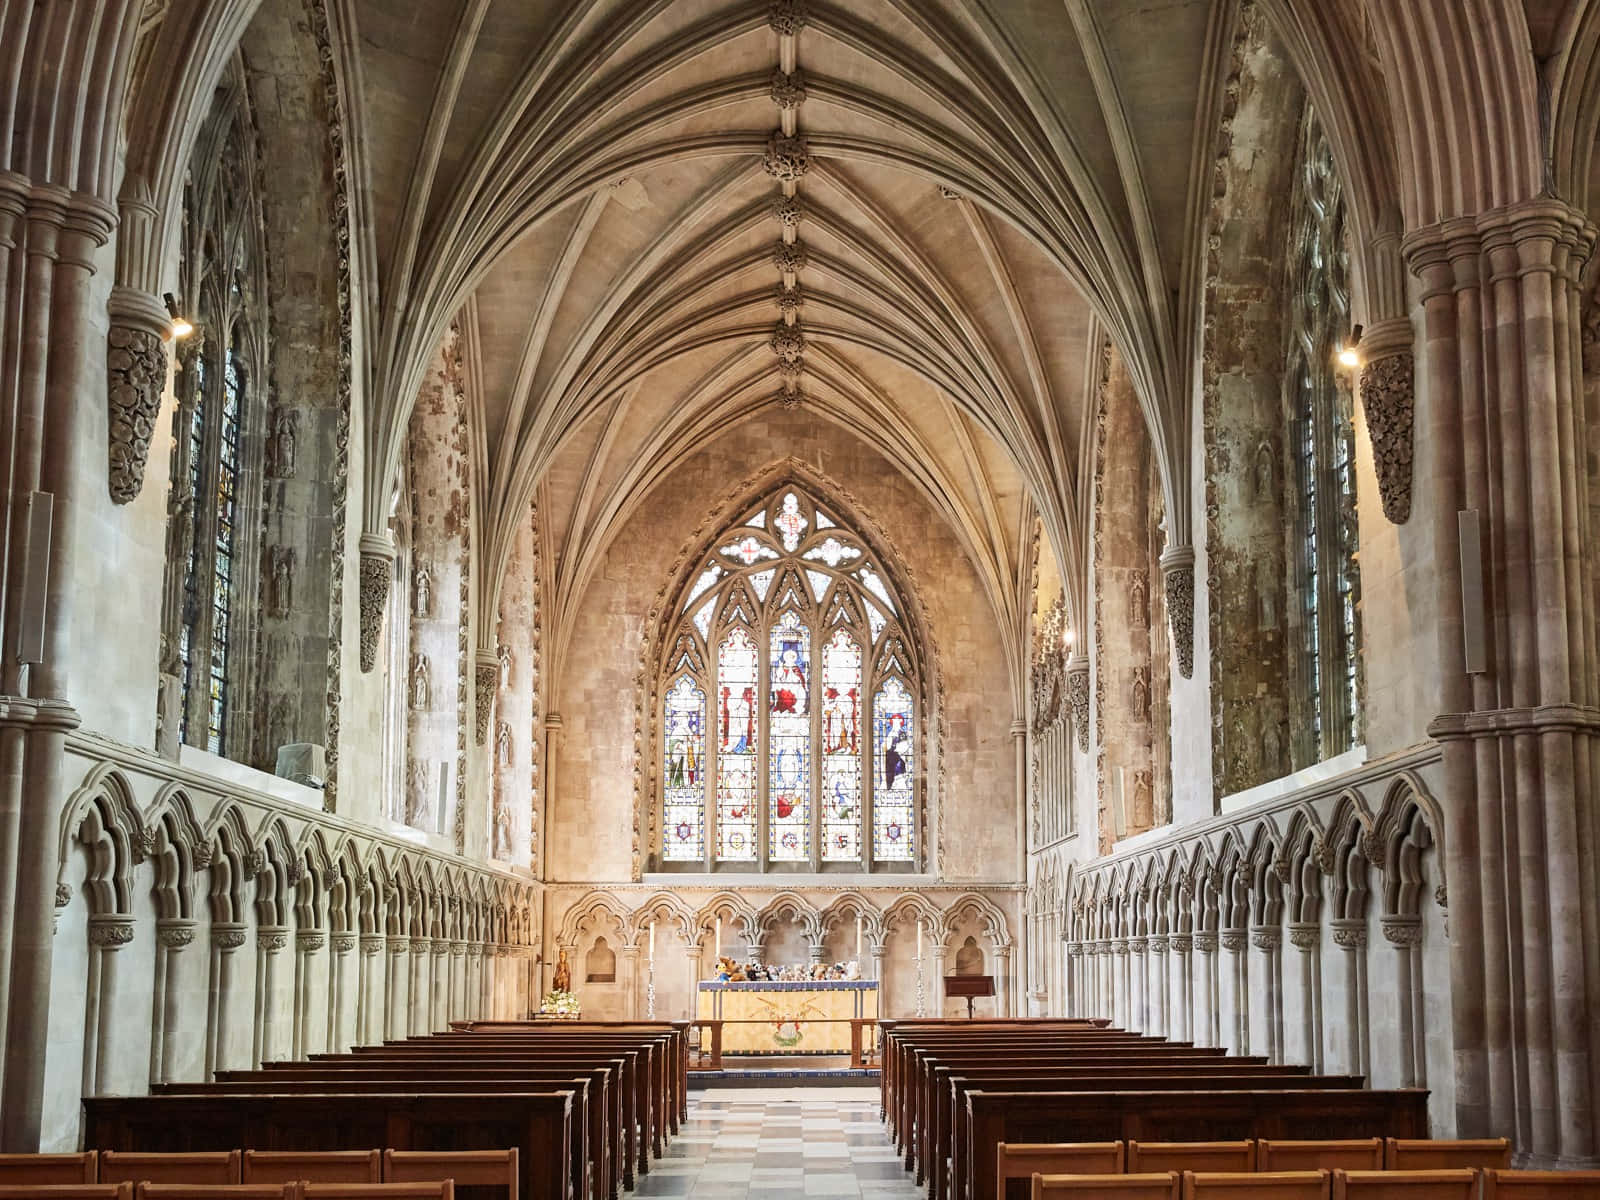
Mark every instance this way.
x=182 y=327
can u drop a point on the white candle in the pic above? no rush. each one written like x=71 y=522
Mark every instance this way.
x=919 y=941
x=652 y=941
x=719 y=939
x=858 y=937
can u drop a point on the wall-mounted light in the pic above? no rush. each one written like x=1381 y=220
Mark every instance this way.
x=1349 y=354
x=181 y=326
x=1068 y=638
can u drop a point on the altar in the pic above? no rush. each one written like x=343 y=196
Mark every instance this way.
x=804 y=1017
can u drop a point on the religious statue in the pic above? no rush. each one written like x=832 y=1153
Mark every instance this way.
x=419 y=814
x=282 y=561
x=502 y=743
x=502 y=829
x=422 y=589
x=1139 y=599
x=285 y=426
x=1141 y=694
x=1266 y=595
x=505 y=665
x=1263 y=479
x=419 y=682
x=563 y=979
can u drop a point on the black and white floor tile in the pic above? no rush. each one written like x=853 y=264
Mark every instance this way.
x=784 y=1142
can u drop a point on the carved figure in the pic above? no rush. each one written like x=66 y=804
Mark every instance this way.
x=1263 y=472
x=419 y=682
x=1141 y=694
x=502 y=743
x=422 y=589
x=563 y=978
x=1139 y=598
x=419 y=813
x=285 y=427
x=282 y=562
x=505 y=665
x=502 y=829
x=1143 y=814
x=1266 y=595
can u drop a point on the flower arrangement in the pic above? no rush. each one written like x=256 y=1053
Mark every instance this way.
x=560 y=1004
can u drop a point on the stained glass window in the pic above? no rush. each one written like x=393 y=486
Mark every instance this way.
x=684 y=752
x=841 y=749
x=894 y=807
x=811 y=765
x=738 y=676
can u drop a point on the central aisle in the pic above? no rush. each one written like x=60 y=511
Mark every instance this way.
x=781 y=1142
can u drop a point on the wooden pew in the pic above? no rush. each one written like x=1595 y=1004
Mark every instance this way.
x=57 y=1170
x=537 y=1124
x=1044 y=1116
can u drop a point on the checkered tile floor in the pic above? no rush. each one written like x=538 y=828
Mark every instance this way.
x=781 y=1142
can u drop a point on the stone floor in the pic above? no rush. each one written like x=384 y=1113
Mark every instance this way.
x=781 y=1142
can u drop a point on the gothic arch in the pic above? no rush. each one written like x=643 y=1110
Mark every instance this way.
x=594 y=906
x=985 y=910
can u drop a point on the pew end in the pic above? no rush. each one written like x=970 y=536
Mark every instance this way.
x=211 y=1168
x=49 y=1169
x=1350 y=1154
x=1459 y=1184
x=311 y=1166
x=1191 y=1156
x=1416 y=1154
x=1256 y=1185
x=1019 y=1162
x=1155 y=1185
x=1540 y=1185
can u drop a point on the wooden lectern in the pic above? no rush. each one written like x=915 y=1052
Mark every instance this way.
x=969 y=986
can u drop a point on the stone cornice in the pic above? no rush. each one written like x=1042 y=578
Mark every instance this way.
x=1547 y=718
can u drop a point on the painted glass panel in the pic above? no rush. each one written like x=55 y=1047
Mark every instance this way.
x=790 y=522
x=875 y=618
x=709 y=576
x=819 y=583
x=222 y=566
x=762 y=582
x=789 y=742
x=893 y=773
x=841 y=749
x=702 y=619
x=737 y=679
x=684 y=728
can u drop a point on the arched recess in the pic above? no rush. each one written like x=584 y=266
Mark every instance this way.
x=836 y=579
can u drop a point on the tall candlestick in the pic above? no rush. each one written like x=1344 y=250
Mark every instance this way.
x=652 y=941
x=919 y=941
x=858 y=937
x=719 y=939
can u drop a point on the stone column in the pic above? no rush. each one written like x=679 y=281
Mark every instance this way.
x=1306 y=937
x=269 y=940
x=1209 y=1030
x=1183 y=1002
x=1161 y=1019
x=306 y=943
x=226 y=938
x=1405 y=935
x=1002 y=982
x=107 y=935
x=1121 y=993
x=1237 y=943
x=394 y=1007
x=475 y=1009
x=936 y=981
x=1138 y=993
x=417 y=993
x=1350 y=935
x=456 y=1008
x=172 y=935
x=438 y=1010
x=372 y=944
x=341 y=944
x=1269 y=940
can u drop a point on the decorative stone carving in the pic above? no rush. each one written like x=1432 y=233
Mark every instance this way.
x=786 y=158
x=789 y=395
x=281 y=449
x=110 y=933
x=419 y=807
x=136 y=375
x=787 y=17
x=1234 y=940
x=483 y=679
x=371 y=943
x=1205 y=943
x=1182 y=943
x=422 y=588
x=949 y=193
x=202 y=855
x=63 y=895
x=1388 y=396
x=789 y=257
x=1266 y=938
x=399 y=945
x=1159 y=944
x=789 y=211
x=1441 y=897
x=1139 y=598
x=503 y=652
x=227 y=937
x=294 y=872
x=1349 y=934
x=308 y=941
x=143 y=844
x=502 y=743
x=1324 y=855
x=377 y=568
x=175 y=935
x=1138 y=945
x=1177 y=567
x=1404 y=932
x=788 y=89
x=272 y=940
x=419 y=690
x=1139 y=697
x=1372 y=848
x=280 y=567
x=1305 y=935
x=789 y=299
x=343 y=943
x=1078 y=699
x=787 y=342
x=256 y=863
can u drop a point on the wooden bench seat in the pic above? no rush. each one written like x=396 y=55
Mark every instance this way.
x=311 y=1166
x=1459 y=1184
x=1118 y=1187
x=1256 y=1185
x=1540 y=1185
x=49 y=1169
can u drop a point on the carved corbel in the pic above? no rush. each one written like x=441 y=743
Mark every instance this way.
x=486 y=674
x=1078 y=698
x=136 y=376
x=377 y=570
x=1177 y=569
x=1388 y=397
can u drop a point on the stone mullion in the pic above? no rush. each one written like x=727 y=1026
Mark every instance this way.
x=814 y=715
x=197 y=703
x=249 y=528
x=1334 y=709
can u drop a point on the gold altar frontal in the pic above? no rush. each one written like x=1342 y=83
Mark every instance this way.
x=807 y=1017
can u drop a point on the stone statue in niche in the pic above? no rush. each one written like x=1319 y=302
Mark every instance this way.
x=1139 y=598
x=1263 y=472
x=502 y=829
x=419 y=682
x=419 y=813
x=422 y=589
x=285 y=430
x=1141 y=811
x=281 y=723
x=1266 y=595
x=1272 y=748
x=281 y=561
x=505 y=665
x=1141 y=693
x=502 y=743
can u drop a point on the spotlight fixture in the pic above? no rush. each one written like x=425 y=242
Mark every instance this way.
x=1068 y=638
x=181 y=326
x=1349 y=356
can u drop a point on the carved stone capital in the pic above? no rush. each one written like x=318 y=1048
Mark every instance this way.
x=377 y=571
x=787 y=342
x=474 y=949
x=1159 y=943
x=63 y=895
x=136 y=377
x=256 y=864
x=203 y=855
x=458 y=949
x=228 y=935
x=440 y=946
x=789 y=211
x=1388 y=396
x=1119 y=946
x=1074 y=949
x=1349 y=934
x=789 y=299
x=1266 y=938
x=1205 y=943
x=1305 y=935
x=399 y=945
x=1324 y=855
x=175 y=933
x=343 y=943
x=371 y=943
x=1177 y=570
x=1078 y=698
x=1138 y=945
x=1234 y=940
x=110 y=933
x=787 y=17
x=1403 y=932
x=788 y=90
x=485 y=678
x=309 y=940
x=1182 y=943
x=272 y=938
x=789 y=257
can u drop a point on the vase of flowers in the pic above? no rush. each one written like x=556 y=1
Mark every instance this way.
x=560 y=1006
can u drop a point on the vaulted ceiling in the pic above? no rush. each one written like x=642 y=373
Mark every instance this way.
x=985 y=189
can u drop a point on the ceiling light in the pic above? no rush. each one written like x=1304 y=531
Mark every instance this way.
x=181 y=326
x=1349 y=356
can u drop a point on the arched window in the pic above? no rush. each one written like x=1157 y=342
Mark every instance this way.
x=1322 y=441
x=790 y=710
x=215 y=572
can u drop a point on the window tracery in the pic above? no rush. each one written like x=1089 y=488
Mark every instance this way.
x=789 y=704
